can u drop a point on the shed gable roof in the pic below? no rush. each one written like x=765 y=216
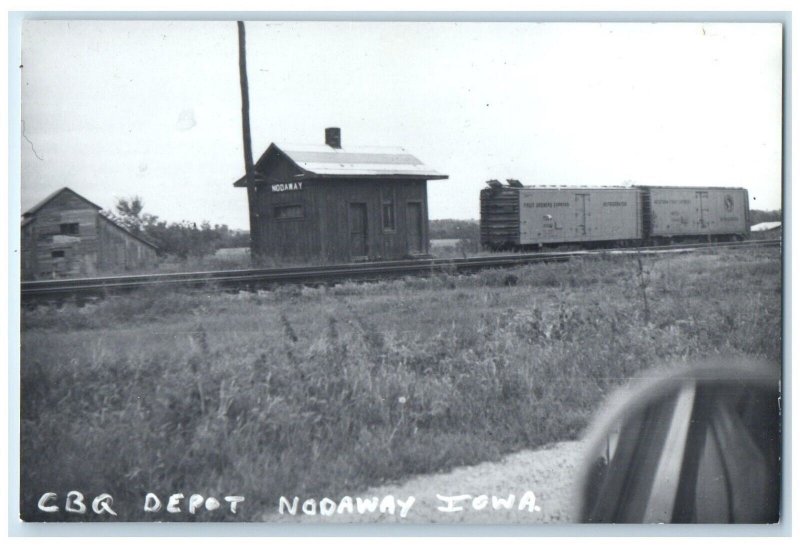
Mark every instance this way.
x=127 y=232
x=29 y=215
x=354 y=162
x=35 y=209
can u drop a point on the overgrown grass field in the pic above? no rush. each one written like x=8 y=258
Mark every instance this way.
x=322 y=391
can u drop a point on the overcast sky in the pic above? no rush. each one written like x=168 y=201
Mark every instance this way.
x=115 y=109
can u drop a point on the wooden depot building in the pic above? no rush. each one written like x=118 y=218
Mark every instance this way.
x=331 y=204
x=66 y=235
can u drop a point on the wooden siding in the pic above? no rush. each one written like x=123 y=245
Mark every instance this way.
x=381 y=244
x=322 y=234
x=28 y=251
x=97 y=247
x=42 y=239
x=118 y=251
x=499 y=217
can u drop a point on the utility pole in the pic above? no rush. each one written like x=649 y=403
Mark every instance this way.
x=255 y=246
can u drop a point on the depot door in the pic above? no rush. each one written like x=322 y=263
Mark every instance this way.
x=358 y=230
x=414 y=227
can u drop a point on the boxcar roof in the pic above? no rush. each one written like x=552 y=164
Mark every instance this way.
x=684 y=187
x=363 y=162
x=571 y=187
x=618 y=187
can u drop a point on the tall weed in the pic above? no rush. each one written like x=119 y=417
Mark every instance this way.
x=319 y=392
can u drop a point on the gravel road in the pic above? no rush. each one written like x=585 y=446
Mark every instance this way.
x=548 y=473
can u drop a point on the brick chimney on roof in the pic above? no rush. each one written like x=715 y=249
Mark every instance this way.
x=333 y=137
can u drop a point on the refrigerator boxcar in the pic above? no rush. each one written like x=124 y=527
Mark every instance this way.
x=519 y=217
x=577 y=215
x=513 y=217
x=681 y=212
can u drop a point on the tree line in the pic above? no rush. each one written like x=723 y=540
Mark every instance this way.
x=454 y=229
x=182 y=239
x=759 y=216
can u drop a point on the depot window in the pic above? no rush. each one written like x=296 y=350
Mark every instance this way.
x=57 y=254
x=285 y=212
x=388 y=216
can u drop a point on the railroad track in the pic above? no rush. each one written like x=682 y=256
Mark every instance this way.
x=248 y=279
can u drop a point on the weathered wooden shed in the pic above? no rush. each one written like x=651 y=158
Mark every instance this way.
x=327 y=203
x=66 y=235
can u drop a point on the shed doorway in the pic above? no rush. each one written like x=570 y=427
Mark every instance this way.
x=358 y=230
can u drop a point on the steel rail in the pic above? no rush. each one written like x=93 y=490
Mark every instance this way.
x=32 y=291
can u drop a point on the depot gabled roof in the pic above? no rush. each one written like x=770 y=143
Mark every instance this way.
x=354 y=162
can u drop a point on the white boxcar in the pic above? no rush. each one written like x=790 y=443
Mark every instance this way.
x=694 y=211
x=578 y=214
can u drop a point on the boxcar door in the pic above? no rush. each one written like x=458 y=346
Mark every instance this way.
x=414 y=227
x=702 y=209
x=580 y=215
x=358 y=230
